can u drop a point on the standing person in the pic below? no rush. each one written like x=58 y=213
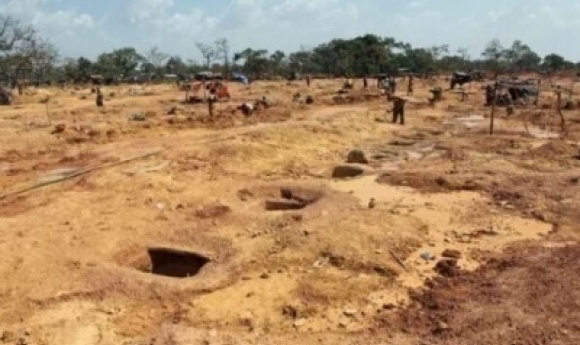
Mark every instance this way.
x=489 y=95
x=211 y=100
x=20 y=86
x=393 y=85
x=365 y=82
x=308 y=80
x=100 y=100
x=410 y=86
x=399 y=110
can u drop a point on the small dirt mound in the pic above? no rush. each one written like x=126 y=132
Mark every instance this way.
x=212 y=211
x=357 y=156
x=348 y=171
x=554 y=148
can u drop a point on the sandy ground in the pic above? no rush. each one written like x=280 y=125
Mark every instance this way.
x=168 y=230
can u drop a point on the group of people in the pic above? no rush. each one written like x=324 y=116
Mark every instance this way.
x=218 y=90
x=388 y=85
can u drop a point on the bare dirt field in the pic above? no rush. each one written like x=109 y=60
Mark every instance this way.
x=126 y=225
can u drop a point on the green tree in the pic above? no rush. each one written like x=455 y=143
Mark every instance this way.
x=437 y=52
x=41 y=56
x=85 y=67
x=453 y=63
x=368 y=54
x=494 y=55
x=255 y=62
x=155 y=60
x=222 y=49
x=277 y=62
x=121 y=62
x=521 y=57
x=420 y=60
x=555 y=62
x=23 y=51
x=208 y=52
x=301 y=62
x=175 y=65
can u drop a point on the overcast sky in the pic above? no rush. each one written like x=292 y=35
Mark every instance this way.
x=87 y=28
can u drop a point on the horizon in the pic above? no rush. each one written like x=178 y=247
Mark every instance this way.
x=89 y=29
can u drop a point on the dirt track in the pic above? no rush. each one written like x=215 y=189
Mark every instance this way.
x=77 y=256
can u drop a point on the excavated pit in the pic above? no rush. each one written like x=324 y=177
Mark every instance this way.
x=292 y=199
x=174 y=263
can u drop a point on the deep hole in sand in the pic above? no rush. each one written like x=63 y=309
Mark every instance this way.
x=174 y=263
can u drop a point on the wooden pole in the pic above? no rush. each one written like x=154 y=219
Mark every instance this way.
x=77 y=173
x=48 y=116
x=538 y=94
x=493 y=102
x=559 y=110
x=399 y=261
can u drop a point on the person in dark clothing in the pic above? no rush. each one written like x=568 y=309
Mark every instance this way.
x=365 y=82
x=489 y=95
x=100 y=98
x=399 y=110
x=20 y=85
x=393 y=85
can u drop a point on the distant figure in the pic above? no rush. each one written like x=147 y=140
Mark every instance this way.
x=347 y=84
x=464 y=95
x=393 y=85
x=100 y=101
x=410 y=86
x=399 y=110
x=20 y=86
x=365 y=82
x=211 y=100
x=247 y=109
x=308 y=80
x=489 y=95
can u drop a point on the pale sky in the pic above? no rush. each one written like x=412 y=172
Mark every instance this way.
x=89 y=27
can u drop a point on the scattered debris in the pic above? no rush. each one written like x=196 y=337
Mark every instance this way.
x=427 y=256
x=350 y=312
x=137 y=117
x=299 y=323
x=399 y=261
x=212 y=211
x=284 y=205
x=60 y=128
x=291 y=312
x=244 y=194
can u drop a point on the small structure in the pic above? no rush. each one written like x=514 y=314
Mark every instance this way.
x=5 y=96
x=461 y=78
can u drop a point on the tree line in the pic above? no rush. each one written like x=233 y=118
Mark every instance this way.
x=25 y=54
